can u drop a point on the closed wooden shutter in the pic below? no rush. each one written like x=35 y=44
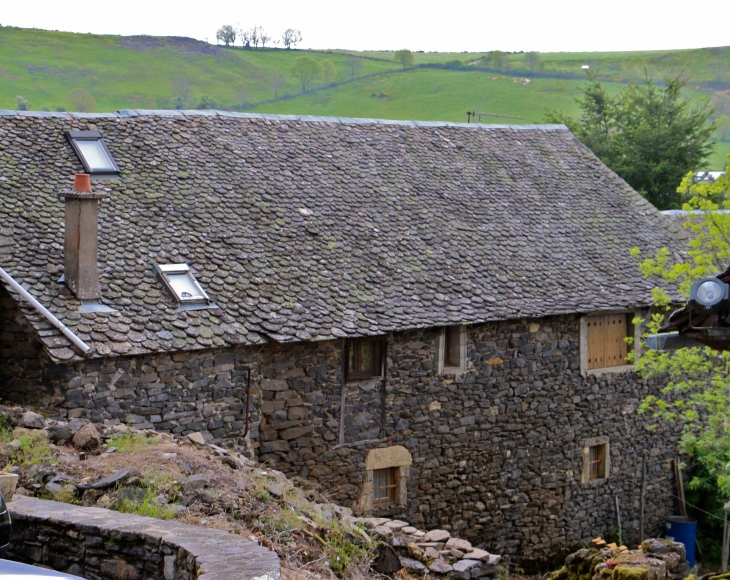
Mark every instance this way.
x=607 y=340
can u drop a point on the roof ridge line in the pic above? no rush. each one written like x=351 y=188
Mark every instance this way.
x=125 y=113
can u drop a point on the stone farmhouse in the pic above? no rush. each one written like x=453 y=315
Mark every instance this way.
x=427 y=319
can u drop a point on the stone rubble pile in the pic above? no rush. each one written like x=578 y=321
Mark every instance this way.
x=435 y=551
x=656 y=559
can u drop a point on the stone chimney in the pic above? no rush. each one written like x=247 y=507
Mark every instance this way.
x=81 y=247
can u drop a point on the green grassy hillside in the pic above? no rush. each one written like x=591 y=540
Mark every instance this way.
x=44 y=67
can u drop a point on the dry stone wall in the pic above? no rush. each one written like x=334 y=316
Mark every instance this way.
x=496 y=453
x=107 y=545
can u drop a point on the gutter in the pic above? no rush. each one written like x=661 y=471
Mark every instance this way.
x=77 y=342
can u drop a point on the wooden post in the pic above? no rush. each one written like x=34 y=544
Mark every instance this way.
x=643 y=495
x=723 y=563
x=618 y=521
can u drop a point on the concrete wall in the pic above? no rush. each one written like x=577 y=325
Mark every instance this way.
x=497 y=453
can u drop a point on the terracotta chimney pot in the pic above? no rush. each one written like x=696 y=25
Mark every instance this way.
x=82 y=182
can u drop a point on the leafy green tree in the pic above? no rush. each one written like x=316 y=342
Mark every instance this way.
x=532 y=60
x=650 y=135
x=81 y=101
x=206 y=103
x=21 y=104
x=291 y=38
x=278 y=80
x=697 y=390
x=354 y=65
x=404 y=57
x=305 y=69
x=329 y=71
x=226 y=34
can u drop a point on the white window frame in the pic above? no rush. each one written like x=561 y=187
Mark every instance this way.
x=441 y=367
x=194 y=303
x=638 y=329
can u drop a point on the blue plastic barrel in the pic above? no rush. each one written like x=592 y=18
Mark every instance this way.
x=683 y=530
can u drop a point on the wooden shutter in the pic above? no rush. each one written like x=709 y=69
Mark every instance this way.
x=607 y=340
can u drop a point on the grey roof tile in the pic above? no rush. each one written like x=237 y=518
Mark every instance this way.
x=321 y=228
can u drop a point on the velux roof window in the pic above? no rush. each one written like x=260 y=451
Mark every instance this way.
x=183 y=286
x=93 y=153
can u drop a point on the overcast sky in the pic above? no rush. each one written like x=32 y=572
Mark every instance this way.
x=450 y=25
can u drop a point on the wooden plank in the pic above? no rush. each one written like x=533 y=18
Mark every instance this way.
x=615 y=333
x=596 y=342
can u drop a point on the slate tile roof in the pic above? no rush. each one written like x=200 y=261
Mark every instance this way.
x=310 y=228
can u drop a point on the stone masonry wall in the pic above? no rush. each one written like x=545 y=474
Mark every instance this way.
x=496 y=453
x=108 y=545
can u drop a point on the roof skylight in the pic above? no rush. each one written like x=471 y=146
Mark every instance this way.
x=179 y=280
x=93 y=153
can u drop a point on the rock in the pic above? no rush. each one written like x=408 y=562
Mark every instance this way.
x=396 y=525
x=413 y=566
x=87 y=438
x=437 y=536
x=477 y=554
x=75 y=425
x=416 y=552
x=66 y=459
x=276 y=490
x=440 y=567
x=457 y=544
x=197 y=438
x=374 y=522
x=53 y=487
x=493 y=559
x=382 y=531
x=409 y=530
x=458 y=554
x=13 y=446
x=431 y=554
x=387 y=561
x=177 y=508
x=32 y=420
x=34 y=434
x=194 y=483
x=115 y=478
x=465 y=565
x=59 y=434
x=119 y=570
x=161 y=499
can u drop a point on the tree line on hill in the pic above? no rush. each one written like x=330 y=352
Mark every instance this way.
x=256 y=36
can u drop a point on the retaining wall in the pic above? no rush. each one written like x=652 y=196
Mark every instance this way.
x=101 y=544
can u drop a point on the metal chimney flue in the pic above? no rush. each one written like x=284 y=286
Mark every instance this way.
x=81 y=245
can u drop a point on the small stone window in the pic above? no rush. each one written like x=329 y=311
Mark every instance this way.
x=387 y=470
x=603 y=342
x=384 y=486
x=596 y=460
x=451 y=347
x=364 y=358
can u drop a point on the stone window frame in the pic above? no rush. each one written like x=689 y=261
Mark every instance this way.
x=584 y=370
x=396 y=457
x=443 y=369
x=586 y=460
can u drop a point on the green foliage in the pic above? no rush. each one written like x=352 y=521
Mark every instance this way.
x=148 y=506
x=650 y=135
x=6 y=430
x=21 y=104
x=81 y=101
x=532 y=60
x=226 y=34
x=205 y=103
x=697 y=391
x=404 y=57
x=328 y=71
x=128 y=442
x=33 y=450
x=306 y=69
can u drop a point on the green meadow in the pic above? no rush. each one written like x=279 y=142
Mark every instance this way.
x=44 y=67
